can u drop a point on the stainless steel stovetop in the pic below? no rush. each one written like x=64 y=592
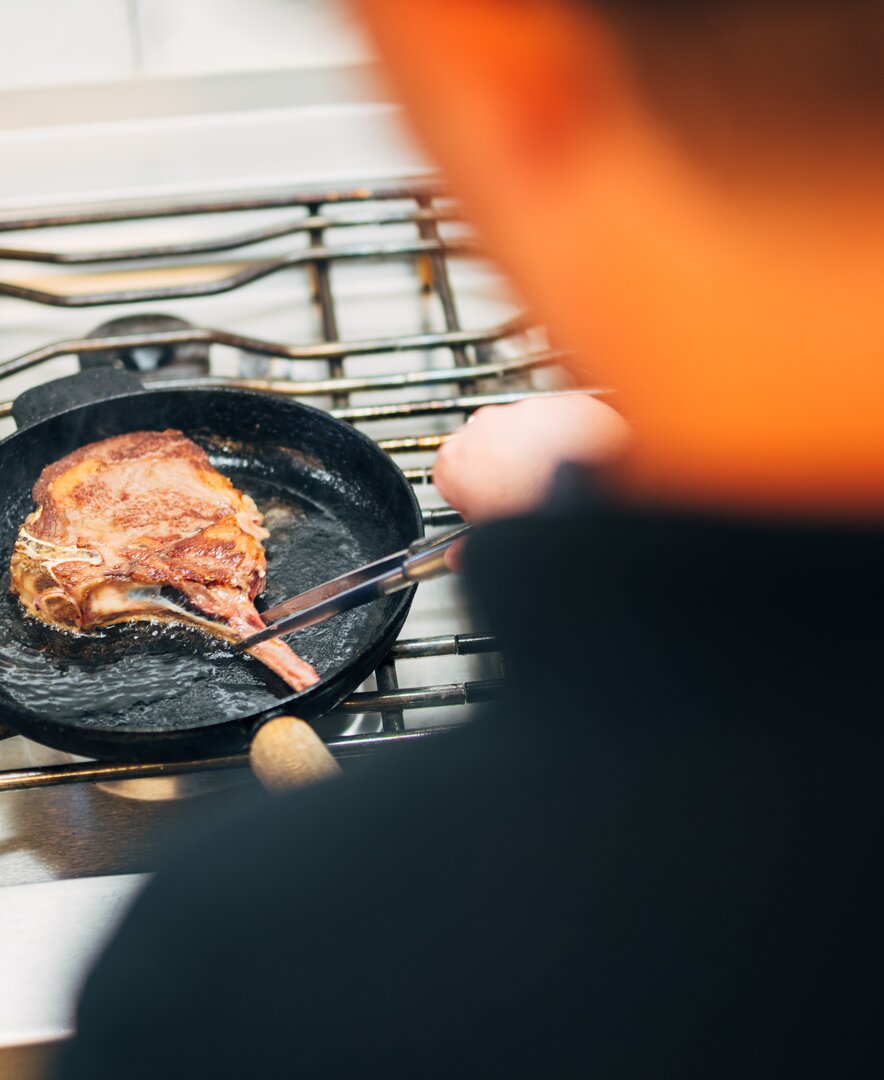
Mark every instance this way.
x=373 y=302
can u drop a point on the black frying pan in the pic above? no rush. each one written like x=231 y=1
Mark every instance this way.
x=332 y=501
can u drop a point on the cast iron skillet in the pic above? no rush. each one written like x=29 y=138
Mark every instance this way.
x=332 y=500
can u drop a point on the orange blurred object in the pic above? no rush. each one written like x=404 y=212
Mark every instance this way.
x=735 y=302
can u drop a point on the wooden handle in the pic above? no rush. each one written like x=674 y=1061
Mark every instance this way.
x=287 y=753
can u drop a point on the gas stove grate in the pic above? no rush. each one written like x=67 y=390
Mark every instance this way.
x=481 y=372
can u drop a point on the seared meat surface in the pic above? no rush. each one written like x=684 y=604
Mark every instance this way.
x=140 y=527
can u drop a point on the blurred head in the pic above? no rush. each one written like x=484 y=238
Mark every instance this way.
x=691 y=195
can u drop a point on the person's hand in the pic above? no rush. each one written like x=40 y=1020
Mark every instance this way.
x=502 y=461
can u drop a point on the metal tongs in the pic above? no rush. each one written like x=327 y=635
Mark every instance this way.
x=421 y=561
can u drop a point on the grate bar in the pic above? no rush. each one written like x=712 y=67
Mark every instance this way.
x=429 y=230
x=436 y=407
x=315 y=351
x=323 y=293
x=248 y=271
x=421 y=474
x=388 y=684
x=446 y=645
x=349 y=746
x=389 y=701
x=314 y=221
x=148 y=209
x=342 y=385
x=441 y=515
x=412 y=444
x=444 y=406
x=423 y=697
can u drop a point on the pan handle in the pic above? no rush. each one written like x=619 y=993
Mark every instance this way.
x=84 y=388
x=287 y=753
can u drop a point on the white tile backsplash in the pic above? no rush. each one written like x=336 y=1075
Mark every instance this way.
x=65 y=42
x=57 y=43
x=180 y=37
x=338 y=144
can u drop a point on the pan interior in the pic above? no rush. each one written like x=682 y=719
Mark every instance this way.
x=153 y=677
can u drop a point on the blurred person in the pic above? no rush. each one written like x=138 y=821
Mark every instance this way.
x=657 y=857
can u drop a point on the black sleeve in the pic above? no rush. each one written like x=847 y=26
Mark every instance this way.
x=657 y=858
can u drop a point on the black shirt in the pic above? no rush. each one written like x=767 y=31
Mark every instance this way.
x=658 y=856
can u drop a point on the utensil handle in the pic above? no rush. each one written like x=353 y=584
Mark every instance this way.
x=287 y=753
x=426 y=566
x=427 y=558
x=84 y=388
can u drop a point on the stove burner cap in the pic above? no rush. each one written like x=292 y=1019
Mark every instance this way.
x=183 y=360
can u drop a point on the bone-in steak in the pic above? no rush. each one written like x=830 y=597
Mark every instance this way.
x=142 y=526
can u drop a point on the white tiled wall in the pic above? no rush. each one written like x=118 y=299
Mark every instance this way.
x=118 y=99
x=184 y=37
x=45 y=43
x=55 y=42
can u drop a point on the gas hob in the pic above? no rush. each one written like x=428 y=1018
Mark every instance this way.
x=369 y=299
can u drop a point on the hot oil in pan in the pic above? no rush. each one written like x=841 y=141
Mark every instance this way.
x=158 y=677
